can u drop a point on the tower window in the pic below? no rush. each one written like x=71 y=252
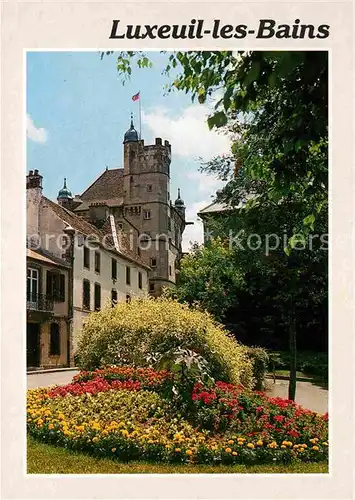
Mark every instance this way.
x=151 y=287
x=140 y=280
x=169 y=270
x=149 y=187
x=153 y=262
x=128 y=298
x=147 y=214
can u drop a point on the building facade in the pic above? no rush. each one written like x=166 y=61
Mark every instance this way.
x=138 y=196
x=47 y=311
x=94 y=265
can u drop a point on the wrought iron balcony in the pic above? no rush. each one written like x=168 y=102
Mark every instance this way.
x=39 y=302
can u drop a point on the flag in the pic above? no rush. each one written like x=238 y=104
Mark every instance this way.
x=135 y=97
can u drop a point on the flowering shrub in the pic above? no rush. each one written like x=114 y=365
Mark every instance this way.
x=105 y=414
x=130 y=333
x=226 y=407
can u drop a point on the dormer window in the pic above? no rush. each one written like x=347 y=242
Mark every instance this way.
x=149 y=188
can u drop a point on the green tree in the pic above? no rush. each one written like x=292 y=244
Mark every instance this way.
x=274 y=105
x=208 y=276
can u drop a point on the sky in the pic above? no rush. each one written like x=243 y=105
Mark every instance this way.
x=77 y=114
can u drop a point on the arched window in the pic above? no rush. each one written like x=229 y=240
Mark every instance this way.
x=54 y=344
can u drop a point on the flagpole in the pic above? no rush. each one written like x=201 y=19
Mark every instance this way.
x=140 y=116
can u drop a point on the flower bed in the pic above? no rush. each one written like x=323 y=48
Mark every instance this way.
x=117 y=413
x=133 y=379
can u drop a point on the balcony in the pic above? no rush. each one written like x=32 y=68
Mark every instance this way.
x=39 y=302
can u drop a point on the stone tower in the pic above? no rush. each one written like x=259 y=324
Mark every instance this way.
x=147 y=206
x=138 y=197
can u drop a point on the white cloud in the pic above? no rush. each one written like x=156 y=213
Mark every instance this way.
x=188 y=133
x=34 y=133
x=193 y=233
x=205 y=183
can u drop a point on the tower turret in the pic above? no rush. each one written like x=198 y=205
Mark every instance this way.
x=65 y=196
x=131 y=135
x=180 y=205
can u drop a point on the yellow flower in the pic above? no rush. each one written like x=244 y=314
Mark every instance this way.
x=188 y=452
x=95 y=439
x=301 y=450
x=51 y=426
x=228 y=450
x=113 y=450
x=282 y=446
x=231 y=441
x=259 y=443
x=177 y=450
x=235 y=453
x=316 y=448
x=325 y=443
x=250 y=445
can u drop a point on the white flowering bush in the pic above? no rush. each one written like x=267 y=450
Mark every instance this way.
x=134 y=333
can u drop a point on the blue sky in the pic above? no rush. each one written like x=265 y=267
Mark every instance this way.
x=78 y=111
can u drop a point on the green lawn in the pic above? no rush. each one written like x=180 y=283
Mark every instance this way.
x=47 y=459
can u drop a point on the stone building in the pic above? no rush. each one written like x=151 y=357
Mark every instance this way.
x=74 y=266
x=138 y=196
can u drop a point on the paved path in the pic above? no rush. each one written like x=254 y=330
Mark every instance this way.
x=308 y=395
x=44 y=379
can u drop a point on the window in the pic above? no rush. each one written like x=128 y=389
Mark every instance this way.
x=169 y=270
x=86 y=257
x=128 y=275
x=32 y=285
x=114 y=269
x=153 y=262
x=149 y=187
x=97 y=297
x=120 y=226
x=97 y=262
x=86 y=295
x=54 y=341
x=114 y=297
x=55 y=287
x=169 y=224
x=151 y=287
x=147 y=214
x=128 y=298
x=140 y=280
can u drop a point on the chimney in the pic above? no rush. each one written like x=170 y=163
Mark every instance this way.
x=34 y=180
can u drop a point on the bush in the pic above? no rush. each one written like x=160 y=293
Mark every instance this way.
x=260 y=360
x=310 y=363
x=138 y=332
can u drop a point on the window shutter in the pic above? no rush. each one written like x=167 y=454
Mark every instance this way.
x=62 y=288
x=49 y=286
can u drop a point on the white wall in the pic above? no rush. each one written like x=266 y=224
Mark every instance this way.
x=105 y=280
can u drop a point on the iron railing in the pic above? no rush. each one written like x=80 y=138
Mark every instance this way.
x=39 y=302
